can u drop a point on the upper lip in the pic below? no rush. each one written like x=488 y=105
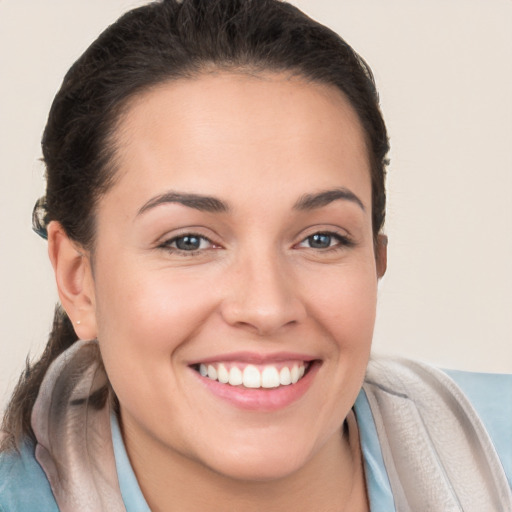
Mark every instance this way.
x=254 y=358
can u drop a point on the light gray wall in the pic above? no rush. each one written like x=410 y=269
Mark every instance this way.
x=444 y=70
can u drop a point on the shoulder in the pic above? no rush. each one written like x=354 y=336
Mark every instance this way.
x=23 y=484
x=476 y=405
x=491 y=396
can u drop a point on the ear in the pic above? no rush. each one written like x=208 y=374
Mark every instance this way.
x=381 y=255
x=75 y=284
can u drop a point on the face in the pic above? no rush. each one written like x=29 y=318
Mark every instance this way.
x=235 y=279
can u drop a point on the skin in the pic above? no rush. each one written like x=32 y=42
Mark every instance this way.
x=255 y=284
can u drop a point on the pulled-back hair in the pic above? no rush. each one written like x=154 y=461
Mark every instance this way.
x=156 y=43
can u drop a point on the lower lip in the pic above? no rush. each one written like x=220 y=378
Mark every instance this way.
x=261 y=399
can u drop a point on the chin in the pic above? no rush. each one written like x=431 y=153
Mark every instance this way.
x=263 y=457
x=261 y=468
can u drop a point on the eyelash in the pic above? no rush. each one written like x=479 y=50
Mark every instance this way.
x=342 y=242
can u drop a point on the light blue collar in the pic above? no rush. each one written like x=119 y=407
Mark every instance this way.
x=130 y=491
x=377 y=481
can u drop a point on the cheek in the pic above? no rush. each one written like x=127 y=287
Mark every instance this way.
x=344 y=302
x=150 y=308
x=143 y=320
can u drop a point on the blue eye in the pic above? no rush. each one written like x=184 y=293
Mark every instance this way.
x=325 y=241
x=320 y=241
x=188 y=243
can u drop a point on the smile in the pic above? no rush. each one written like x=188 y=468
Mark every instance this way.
x=255 y=376
x=255 y=382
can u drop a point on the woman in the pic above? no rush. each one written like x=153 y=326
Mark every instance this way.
x=214 y=211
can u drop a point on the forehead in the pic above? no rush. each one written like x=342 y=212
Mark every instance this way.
x=218 y=130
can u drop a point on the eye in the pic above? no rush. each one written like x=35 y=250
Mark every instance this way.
x=188 y=243
x=325 y=241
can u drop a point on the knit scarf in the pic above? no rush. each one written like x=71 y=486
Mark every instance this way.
x=437 y=454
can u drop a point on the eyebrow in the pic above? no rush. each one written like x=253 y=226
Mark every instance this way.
x=313 y=201
x=214 y=205
x=196 y=201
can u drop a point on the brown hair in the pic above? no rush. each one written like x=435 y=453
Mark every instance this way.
x=160 y=42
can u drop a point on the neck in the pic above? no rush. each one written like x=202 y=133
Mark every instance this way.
x=332 y=479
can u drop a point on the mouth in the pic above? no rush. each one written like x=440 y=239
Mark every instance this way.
x=257 y=382
x=255 y=376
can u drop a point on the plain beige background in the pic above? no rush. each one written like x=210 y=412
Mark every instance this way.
x=444 y=71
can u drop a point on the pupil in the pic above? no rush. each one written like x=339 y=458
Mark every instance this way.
x=188 y=243
x=320 y=241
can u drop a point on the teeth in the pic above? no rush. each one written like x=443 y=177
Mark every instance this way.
x=222 y=374
x=295 y=374
x=253 y=377
x=269 y=377
x=212 y=372
x=285 y=377
x=235 y=377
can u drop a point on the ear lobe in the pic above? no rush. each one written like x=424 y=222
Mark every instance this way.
x=73 y=274
x=381 y=255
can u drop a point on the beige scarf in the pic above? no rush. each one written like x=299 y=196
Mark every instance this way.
x=438 y=455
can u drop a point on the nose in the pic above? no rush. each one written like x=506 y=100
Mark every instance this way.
x=262 y=297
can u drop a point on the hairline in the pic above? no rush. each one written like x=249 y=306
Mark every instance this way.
x=258 y=71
